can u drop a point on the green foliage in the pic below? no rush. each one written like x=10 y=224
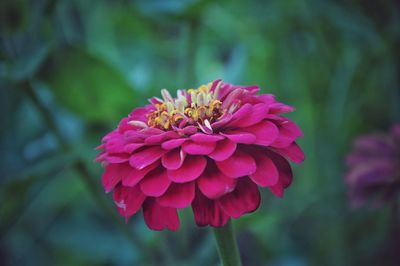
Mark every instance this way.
x=88 y=86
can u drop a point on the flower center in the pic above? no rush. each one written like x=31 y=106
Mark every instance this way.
x=192 y=107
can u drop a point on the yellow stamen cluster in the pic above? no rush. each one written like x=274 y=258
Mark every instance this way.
x=203 y=107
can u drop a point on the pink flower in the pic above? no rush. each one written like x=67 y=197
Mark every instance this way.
x=374 y=168
x=209 y=148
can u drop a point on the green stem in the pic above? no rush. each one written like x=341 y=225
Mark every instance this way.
x=226 y=244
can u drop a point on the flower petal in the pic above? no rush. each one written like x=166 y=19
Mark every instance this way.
x=173 y=159
x=198 y=148
x=223 y=150
x=239 y=164
x=293 y=152
x=266 y=132
x=112 y=175
x=243 y=113
x=199 y=137
x=285 y=174
x=288 y=133
x=207 y=212
x=161 y=137
x=131 y=147
x=266 y=173
x=258 y=113
x=213 y=184
x=128 y=200
x=240 y=137
x=133 y=176
x=155 y=183
x=158 y=217
x=144 y=158
x=178 y=195
x=191 y=169
x=172 y=144
x=244 y=199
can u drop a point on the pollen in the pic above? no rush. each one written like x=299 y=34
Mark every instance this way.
x=196 y=107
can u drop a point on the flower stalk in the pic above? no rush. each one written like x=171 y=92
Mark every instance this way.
x=227 y=247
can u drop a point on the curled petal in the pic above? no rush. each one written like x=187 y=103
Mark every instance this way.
x=243 y=113
x=223 y=150
x=178 y=195
x=288 y=133
x=208 y=212
x=293 y=152
x=202 y=138
x=191 y=169
x=258 y=113
x=244 y=199
x=285 y=174
x=173 y=159
x=239 y=164
x=128 y=200
x=266 y=174
x=158 y=217
x=161 y=137
x=144 y=158
x=113 y=174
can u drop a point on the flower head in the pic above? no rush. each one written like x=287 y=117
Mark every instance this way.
x=209 y=148
x=374 y=168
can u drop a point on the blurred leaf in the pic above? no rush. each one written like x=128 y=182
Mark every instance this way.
x=88 y=86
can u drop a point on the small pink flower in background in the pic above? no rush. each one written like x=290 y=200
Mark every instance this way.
x=210 y=148
x=374 y=168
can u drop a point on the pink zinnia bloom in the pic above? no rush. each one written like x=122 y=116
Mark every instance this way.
x=210 y=148
x=374 y=168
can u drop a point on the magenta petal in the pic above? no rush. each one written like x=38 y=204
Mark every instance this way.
x=143 y=158
x=133 y=176
x=293 y=152
x=243 y=113
x=128 y=200
x=239 y=164
x=258 y=113
x=172 y=144
x=191 y=169
x=266 y=132
x=244 y=199
x=113 y=173
x=158 y=217
x=116 y=157
x=198 y=148
x=285 y=174
x=223 y=150
x=155 y=183
x=178 y=195
x=207 y=212
x=222 y=121
x=240 y=137
x=288 y=133
x=267 y=173
x=213 y=184
x=131 y=147
x=199 y=137
x=173 y=159
x=161 y=137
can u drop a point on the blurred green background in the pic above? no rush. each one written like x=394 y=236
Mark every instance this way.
x=71 y=69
